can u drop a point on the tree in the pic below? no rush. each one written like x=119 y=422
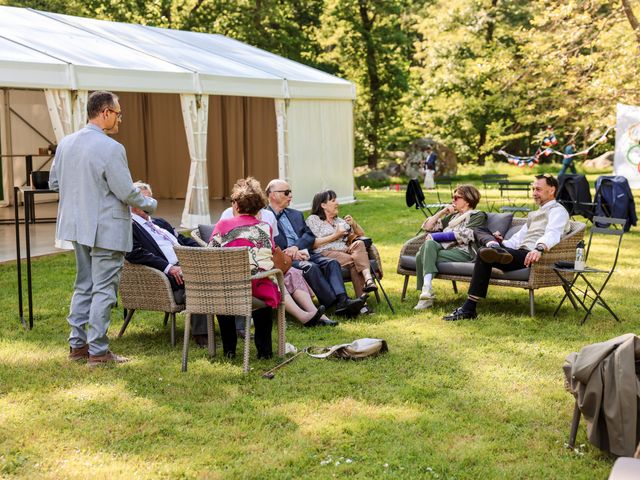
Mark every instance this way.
x=366 y=43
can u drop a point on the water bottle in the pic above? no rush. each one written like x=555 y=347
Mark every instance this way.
x=579 y=263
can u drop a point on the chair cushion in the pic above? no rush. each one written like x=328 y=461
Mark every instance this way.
x=500 y=222
x=205 y=231
x=466 y=269
x=408 y=262
x=511 y=232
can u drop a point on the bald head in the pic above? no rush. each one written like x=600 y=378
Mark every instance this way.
x=279 y=193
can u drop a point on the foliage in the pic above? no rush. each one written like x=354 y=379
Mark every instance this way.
x=463 y=400
x=477 y=75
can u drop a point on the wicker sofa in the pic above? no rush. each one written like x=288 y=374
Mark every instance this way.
x=540 y=275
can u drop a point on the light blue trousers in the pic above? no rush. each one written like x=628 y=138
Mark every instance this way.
x=95 y=293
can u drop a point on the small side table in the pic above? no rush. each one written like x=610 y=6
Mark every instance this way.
x=29 y=205
x=587 y=291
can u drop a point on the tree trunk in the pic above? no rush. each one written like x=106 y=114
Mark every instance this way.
x=491 y=23
x=374 y=84
x=482 y=156
x=633 y=21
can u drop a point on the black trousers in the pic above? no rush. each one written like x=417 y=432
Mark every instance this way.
x=324 y=276
x=262 y=322
x=482 y=271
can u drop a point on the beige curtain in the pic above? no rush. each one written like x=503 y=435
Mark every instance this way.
x=242 y=142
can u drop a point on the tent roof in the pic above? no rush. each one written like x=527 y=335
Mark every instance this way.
x=48 y=50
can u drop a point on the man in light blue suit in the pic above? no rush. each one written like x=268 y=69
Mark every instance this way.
x=90 y=172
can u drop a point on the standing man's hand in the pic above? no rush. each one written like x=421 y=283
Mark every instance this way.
x=176 y=272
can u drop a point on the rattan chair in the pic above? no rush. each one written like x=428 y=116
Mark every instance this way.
x=145 y=288
x=541 y=274
x=196 y=234
x=218 y=282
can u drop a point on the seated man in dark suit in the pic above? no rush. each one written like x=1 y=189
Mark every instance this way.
x=323 y=274
x=153 y=242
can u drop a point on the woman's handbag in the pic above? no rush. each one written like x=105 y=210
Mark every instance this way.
x=281 y=260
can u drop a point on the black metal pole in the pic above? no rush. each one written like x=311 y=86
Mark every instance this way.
x=18 y=261
x=27 y=238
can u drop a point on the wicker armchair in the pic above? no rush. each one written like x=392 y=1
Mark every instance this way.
x=145 y=288
x=218 y=282
x=197 y=234
x=540 y=274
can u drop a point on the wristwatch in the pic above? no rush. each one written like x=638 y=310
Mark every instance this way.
x=540 y=248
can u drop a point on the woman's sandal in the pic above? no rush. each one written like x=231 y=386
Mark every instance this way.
x=370 y=286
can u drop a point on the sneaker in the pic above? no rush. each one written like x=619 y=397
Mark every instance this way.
x=423 y=304
x=79 y=354
x=427 y=295
x=109 y=357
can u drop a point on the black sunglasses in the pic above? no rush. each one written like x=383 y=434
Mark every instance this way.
x=286 y=192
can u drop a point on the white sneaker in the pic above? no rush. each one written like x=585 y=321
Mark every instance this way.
x=424 y=304
x=427 y=295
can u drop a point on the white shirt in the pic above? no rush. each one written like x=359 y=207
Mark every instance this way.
x=165 y=239
x=558 y=218
x=266 y=216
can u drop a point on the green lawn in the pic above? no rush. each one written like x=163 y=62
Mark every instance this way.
x=470 y=399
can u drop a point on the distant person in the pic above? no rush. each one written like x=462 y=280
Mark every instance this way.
x=429 y=168
x=154 y=240
x=91 y=174
x=568 y=161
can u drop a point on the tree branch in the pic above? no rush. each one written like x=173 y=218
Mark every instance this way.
x=633 y=21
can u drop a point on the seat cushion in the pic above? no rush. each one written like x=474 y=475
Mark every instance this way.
x=408 y=262
x=205 y=231
x=466 y=269
x=500 y=222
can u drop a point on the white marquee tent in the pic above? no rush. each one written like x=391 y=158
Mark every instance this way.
x=200 y=109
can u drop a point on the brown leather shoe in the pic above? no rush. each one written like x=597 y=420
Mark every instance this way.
x=109 y=357
x=79 y=354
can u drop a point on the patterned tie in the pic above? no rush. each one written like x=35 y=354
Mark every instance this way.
x=162 y=232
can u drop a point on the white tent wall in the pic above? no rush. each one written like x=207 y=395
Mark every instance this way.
x=319 y=138
x=26 y=127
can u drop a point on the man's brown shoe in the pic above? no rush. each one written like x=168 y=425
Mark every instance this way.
x=79 y=354
x=109 y=357
x=495 y=255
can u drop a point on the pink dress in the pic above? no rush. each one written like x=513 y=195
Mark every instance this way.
x=248 y=231
x=293 y=280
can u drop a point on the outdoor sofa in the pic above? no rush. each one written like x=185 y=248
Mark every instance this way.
x=540 y=275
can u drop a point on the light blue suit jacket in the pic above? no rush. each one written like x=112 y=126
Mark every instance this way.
x=91 y=173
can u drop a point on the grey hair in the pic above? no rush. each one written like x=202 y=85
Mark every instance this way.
x=143 y=186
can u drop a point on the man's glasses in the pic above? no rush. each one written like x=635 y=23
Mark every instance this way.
x=457 y=197
x=286 y=192
x=118 y=114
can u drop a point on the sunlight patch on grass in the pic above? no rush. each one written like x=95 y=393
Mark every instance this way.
x=343 y=414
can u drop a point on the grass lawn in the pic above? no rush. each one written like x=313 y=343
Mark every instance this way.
x=464 y=400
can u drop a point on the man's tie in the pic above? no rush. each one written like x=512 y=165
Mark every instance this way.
x=162 y=232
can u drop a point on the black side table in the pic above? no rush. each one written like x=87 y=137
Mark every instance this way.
x=29 y=205
x=587 y=291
